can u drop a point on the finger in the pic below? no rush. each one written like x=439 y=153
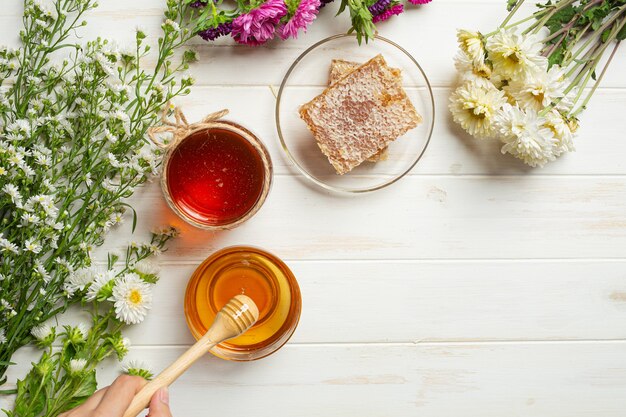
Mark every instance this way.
x=86 y=407
x=160 y=404
x=95 y=399
x=119 y=395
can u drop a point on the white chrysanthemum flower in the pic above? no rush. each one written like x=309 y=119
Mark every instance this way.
x=524 y=136
x=133 y=298
x=469 y=71
x=473 y=106
x=41 y=332
x=472 y=44
x=76 y=366
x=539 y=89
x=3 y=337
x=102 y=279
x=562 y=133
x=514 y=55
x=147 y=267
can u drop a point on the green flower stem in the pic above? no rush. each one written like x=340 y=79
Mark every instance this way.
x=585 y=102
x=594 y=38
x=537 y=26
x=512 y=13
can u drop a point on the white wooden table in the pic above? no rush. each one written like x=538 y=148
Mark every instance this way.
x=487 y=289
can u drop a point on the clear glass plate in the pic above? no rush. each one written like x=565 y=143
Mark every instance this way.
x=308 y=76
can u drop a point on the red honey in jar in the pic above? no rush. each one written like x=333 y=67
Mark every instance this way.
x=218 y=177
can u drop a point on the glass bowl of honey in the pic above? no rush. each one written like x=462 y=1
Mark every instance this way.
x=216 y=177
x=259 y=275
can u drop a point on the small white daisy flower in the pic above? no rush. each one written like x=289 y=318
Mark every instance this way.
x=6 y=246
x=132 y=299
x=77 y=366
x=147 y=267
x=41 y=332
x=31 y=246
x=137 y=368
x=102 y=279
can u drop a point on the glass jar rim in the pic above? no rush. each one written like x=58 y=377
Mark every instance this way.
x=285 y=331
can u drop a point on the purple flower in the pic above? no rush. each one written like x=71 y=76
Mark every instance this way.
x=305 y=13
x=198 y=3
x=379 y=7
x=325 y=2
x=211 y=34
x=419 y=1
x=258 y=25
x=393 y=10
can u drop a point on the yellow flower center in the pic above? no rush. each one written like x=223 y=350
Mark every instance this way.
x=134 y=297
x=539 y=96
x=514 y=56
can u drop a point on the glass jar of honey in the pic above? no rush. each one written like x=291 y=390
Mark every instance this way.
x=216 y=177
x=259 y=275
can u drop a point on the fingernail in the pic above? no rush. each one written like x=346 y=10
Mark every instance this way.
x=164 y=396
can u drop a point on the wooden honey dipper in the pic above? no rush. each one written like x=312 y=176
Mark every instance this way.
x=237 y=316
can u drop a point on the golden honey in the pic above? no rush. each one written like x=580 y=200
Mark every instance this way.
x=257 y=274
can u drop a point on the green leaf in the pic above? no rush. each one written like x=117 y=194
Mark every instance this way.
x=87 y=386
x=510 y=4
x=556 y=57
x=605 y=35
x=621 y=35
x=560 y=18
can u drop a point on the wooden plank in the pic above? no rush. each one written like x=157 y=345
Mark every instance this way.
x=421 y=217
x=428 y=33
x=481 y=380
x=425 y=301
x=451 y=151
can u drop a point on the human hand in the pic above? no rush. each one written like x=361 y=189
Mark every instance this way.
x=113 y=400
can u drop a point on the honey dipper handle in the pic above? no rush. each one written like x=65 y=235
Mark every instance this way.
x=169 y=375
x=237 y=316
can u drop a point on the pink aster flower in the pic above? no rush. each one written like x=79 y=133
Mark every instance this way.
x=419 y=1
x=259 y=24
x=305 y=13
x=392 y=11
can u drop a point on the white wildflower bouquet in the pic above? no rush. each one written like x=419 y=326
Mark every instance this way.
x=116 y=295
x=526 y=83
x=73 y=119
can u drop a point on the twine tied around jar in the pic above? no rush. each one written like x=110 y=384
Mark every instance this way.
x=180 y=128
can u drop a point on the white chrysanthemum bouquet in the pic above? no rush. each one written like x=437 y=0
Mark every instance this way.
x=527 y=82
